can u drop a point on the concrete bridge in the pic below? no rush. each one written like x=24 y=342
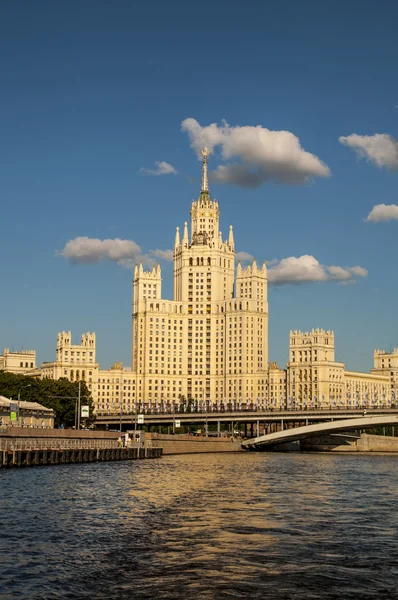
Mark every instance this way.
x=254 y=421
x=313 y=430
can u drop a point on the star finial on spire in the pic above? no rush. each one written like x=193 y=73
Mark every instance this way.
x=206 y=152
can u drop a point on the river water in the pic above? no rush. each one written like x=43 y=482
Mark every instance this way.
x=267 y=525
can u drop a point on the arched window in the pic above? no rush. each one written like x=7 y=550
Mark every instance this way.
x=191 y=262
x=209 y=261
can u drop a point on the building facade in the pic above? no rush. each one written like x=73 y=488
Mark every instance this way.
x=315 y=379
x=211 y=340
x=112 y=390
x=18 y=362
x=386 y=363
x=76 y=362
x=25 y=414
x=210 y=343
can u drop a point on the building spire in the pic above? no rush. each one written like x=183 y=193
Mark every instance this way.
x=185 y=237
x=205 y=177
x=231 y=237
x=177 y=238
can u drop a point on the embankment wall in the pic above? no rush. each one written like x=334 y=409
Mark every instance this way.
x=366 y=443
x=189 y=444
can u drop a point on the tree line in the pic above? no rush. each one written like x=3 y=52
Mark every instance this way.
x=60 y=395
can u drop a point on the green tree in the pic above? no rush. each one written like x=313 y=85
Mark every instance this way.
x=60 y=395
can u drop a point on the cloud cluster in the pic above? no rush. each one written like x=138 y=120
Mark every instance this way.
x=92 y=250
x=307 y=269
x=380 y=148
x=383 y=212
x=259 y=154
x=166 y=255
x=243 y=256
x=161 y=168
x=125 y=253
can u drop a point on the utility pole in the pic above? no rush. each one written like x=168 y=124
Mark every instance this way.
x=78 y=407
x=19 y=399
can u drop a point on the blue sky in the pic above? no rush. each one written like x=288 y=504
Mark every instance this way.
x=93 y=92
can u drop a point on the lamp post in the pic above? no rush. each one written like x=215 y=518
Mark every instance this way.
x=121 y=407
x=19 y=396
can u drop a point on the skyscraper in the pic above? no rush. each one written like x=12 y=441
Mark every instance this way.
x=211 y=340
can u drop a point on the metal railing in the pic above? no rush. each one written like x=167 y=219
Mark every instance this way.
x=20 y=443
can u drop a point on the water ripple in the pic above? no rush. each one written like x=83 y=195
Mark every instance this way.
x=302 y=526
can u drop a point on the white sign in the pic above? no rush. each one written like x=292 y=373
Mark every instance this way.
x=85 y=412
x=178 y=423
x=140 y=419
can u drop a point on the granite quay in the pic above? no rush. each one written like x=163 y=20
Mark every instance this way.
x=24 y=447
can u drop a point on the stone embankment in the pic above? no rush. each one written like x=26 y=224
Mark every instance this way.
x=365 y=443
x=190 y=444
x=25 y=447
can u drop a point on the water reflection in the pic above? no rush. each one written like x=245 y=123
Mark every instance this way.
x=203 y=526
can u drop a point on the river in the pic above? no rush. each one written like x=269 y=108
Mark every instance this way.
x=209 y=526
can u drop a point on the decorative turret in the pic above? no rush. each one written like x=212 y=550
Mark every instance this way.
x=147 y=285
x=185 y=239
x=251 y=283
x=177 y=238
x=231 y=237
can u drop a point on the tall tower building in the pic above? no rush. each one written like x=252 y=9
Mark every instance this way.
x=211 y=340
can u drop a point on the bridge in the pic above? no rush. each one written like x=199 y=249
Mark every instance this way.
x=254 y=421
x=308 y=431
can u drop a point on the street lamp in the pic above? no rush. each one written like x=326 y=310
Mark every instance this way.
x=19 y=396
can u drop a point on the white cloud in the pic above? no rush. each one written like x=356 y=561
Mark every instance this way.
x=307 y=269
x=162 y=168
x=380 y=148
x=167 y=255
x=243 y=256
x=92 y=250
x=260 y=154
x=125 y=253
x=383 y=212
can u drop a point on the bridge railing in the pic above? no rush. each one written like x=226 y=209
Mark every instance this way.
x=209 y=408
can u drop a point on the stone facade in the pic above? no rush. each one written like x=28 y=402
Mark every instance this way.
x=211 y=341
x=386 y=363
x=74 y=361
x=277 y=386
x=316 y=379
x=18 y=362
x=113 y=390
x=28 y=414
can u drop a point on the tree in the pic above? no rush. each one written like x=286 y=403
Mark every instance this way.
x=60 y=395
